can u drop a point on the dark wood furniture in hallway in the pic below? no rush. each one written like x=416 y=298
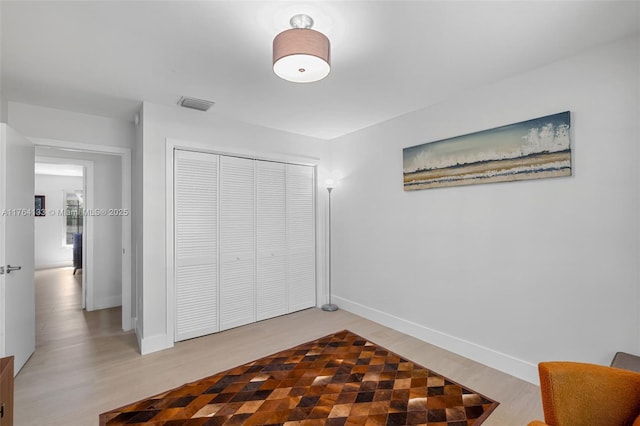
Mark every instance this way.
x=6 y=391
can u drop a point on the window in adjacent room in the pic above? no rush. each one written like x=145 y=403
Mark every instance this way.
x=74 y=215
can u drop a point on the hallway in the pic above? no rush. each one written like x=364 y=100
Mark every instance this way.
x=71 y=347
x=59 y=315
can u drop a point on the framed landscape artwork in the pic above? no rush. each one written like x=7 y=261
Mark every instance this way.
x=532 y=149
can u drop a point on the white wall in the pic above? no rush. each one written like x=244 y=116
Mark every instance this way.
x=160 y=123
x=4 y=109
x=509 y=274
x=137 y=266
x=49 y=123
x=3 y=102
x=50 y=230
x=107 y=231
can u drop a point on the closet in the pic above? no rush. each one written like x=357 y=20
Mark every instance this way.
x=244 y=233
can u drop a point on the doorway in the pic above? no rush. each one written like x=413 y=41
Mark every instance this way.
x=66 y=188
x=111 y=243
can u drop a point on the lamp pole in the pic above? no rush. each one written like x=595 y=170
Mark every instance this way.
x=329 y=307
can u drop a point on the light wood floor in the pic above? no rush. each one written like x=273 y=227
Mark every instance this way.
x=84 y=364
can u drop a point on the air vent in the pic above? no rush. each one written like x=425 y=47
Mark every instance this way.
x=193 y=103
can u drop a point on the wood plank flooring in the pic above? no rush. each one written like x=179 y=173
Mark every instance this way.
x=84 y=365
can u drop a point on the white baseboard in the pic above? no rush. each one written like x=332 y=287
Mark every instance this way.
x=53 y=265
x=138 y=334
x=516 y=367
x=133 y=325
x=107 y=302
x=154 y=343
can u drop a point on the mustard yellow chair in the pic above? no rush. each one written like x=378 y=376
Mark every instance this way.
x=578 y=394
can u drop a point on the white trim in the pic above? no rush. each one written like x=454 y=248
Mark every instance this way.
x=107 y=302
x=243 y=153
x=88 y=239
x=3 y=226
x=170 y=238
x=516 y=367
x=138 y=336
x=125 y=155
x=87 y=231
x=321 y=249
x=127 y=250
x=172 y=144
x=155 y=343
x=64 y=264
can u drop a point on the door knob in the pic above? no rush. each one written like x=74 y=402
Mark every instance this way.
x=12 y=268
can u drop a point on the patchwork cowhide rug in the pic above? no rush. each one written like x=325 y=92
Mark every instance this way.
x=339 y=379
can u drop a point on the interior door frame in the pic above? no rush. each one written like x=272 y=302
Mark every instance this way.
x=127 y=254
x=173 y=144
x=87 y=227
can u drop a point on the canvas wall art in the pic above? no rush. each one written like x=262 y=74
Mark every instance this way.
x=532 y=149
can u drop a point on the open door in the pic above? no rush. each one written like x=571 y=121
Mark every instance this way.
x=17 y=287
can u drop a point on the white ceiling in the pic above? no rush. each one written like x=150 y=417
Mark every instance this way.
x=388 y=57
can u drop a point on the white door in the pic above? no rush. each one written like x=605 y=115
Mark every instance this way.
x=196 y=243
x=17 y=304
x=271 y=240
x=237 y=242
x=301 y=240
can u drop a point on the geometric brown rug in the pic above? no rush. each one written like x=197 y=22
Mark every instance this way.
x=340 y=379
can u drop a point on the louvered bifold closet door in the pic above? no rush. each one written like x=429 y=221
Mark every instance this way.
x=271 y=273
x=196 y=254
x=301 y=237
x=237 y=242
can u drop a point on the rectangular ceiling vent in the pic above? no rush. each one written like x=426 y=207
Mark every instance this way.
x=193 y=103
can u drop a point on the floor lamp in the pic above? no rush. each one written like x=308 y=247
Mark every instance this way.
x=329 y=307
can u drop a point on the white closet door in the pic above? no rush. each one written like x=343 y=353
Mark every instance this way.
x=196 y=251
x=271 y=240
x=301 y=237
x=237 y=242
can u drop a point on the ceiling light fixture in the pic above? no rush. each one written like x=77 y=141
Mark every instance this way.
x=300 y=54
